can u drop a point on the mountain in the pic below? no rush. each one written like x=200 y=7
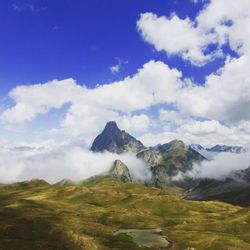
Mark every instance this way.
x=225 y=148
x=178 y=156
x=219 y=148
x=164 y=161
x=117 y=141
x=235 y=188
x=210 y=153
x=197 y=147
x=168 y=159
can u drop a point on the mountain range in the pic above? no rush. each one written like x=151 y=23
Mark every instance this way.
x=209 y=153
x=165 y=161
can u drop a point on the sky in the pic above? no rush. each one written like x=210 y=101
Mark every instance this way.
x=162 y=69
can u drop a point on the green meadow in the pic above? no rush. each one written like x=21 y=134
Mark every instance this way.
x=36 y=215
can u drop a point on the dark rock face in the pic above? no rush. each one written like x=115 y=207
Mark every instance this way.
x=114 y=140
x=120 y=171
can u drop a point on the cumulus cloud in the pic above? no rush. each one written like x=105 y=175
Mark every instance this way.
x=90 y=109
x=68 y=161
x=207 y=133
x=225 y=95
x=39 y=99
x=176 y=36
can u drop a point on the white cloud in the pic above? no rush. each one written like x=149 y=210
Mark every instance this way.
x=137 y=123
x=68 y=161
x=39 y=99
x=221 y=166
x=225 y=95
x=170 y=116
x=90 y=109
x=207 y=133
x=176 y=36
x=205 y=128
x=117 y=68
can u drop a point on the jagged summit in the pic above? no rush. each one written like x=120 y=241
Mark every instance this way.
x=114 y=140
x=174 y=144
x=111 y=126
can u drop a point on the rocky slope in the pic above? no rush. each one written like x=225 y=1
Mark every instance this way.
x=114 y=140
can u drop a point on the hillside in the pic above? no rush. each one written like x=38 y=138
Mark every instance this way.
x=36 y=215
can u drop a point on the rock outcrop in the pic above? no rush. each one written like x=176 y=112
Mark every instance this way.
x=120 y=171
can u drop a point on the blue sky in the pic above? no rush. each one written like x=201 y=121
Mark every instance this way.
x=178 y=46
x=58 y=39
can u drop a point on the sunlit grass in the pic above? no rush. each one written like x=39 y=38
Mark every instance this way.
x=40 y=216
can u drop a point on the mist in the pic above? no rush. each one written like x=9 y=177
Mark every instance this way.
x=69 y=161
x=219 y=167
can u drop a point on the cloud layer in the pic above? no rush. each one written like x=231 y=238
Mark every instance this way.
x=67 y=161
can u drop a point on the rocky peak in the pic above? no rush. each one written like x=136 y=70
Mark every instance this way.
x=120 y=171
x=114 y=140
x=175 y=144
x=111 y=127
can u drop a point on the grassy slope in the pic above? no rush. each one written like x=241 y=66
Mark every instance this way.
x=40 y=216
